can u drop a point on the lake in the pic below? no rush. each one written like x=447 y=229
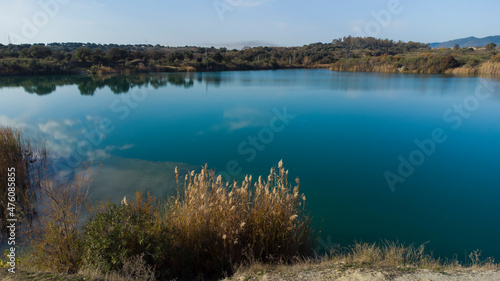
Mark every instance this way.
x=414 y=158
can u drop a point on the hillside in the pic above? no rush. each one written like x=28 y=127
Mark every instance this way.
x=468 y=42
x=344 y=54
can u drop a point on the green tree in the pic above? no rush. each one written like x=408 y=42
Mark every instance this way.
x=218 y=57
x=156 y=55
x=188 y=55
x=97 y=55
x=83 y=54
x=39 y=52
x=116 y=54
x=491 y=46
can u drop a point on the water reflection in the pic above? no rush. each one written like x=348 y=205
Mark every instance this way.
x=121 y=177
x=349 y=129
x=87 y=85
x=348 y=82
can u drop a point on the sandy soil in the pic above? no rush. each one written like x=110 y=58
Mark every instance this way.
x=317 y=275
x=372 y=274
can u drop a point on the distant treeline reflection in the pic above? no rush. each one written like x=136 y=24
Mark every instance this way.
x=118 y=84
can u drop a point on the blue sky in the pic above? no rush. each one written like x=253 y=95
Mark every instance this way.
x=235 y=23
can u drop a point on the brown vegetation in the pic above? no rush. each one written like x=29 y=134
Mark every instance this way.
x=207 y=230
x=27 y=159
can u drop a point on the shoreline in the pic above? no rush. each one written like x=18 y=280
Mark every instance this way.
x=163 y=69
x=458 y=72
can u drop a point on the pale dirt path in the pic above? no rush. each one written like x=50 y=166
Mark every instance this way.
x=373 y=275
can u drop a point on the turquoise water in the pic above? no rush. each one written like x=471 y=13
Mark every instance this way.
x=345 y=135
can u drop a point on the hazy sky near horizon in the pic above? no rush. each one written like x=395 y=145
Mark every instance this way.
x=235 y=23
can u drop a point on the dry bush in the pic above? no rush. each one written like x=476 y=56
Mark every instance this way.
x=136 y=268
x=56 y=243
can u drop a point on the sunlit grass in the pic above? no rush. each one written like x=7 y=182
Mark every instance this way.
x=242 y=222
x=207 y=229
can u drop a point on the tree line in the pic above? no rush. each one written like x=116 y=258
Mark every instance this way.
x=344 y=54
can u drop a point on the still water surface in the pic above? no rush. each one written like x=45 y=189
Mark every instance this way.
x=343 y=134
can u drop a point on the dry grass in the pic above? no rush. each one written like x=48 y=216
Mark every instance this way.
x=101 y=69
x=489 y=68
x=28 y=157
x=221 y=225
x=373 y=66
x=399 y=255
x=486 y=68
x=268 y=219
x=386 y=257
x=205 y=231
x=390 y=258
x=463 y=70
x=190 y=69
x=384 y=68
x=387 y=253
x=132 y=269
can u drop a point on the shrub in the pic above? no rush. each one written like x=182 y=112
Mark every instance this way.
x=496 y=58
x=448 y=62
x=118 y=234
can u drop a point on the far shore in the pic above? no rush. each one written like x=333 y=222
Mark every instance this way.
x=354 y=54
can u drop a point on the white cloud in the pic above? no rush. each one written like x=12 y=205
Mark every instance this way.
x=98 y=155
x=57 y=131
x=71 y=123
x=238 y=125
x=48 y=127
x=62 y=138
x=126 y=146
x=240 y=117
x=6 y=121
x=58 y=149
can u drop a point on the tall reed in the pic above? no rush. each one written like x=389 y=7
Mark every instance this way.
x=207 y=229
x=28 y=158
x=222 y=224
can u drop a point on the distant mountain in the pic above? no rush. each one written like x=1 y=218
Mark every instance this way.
x=468 y=42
